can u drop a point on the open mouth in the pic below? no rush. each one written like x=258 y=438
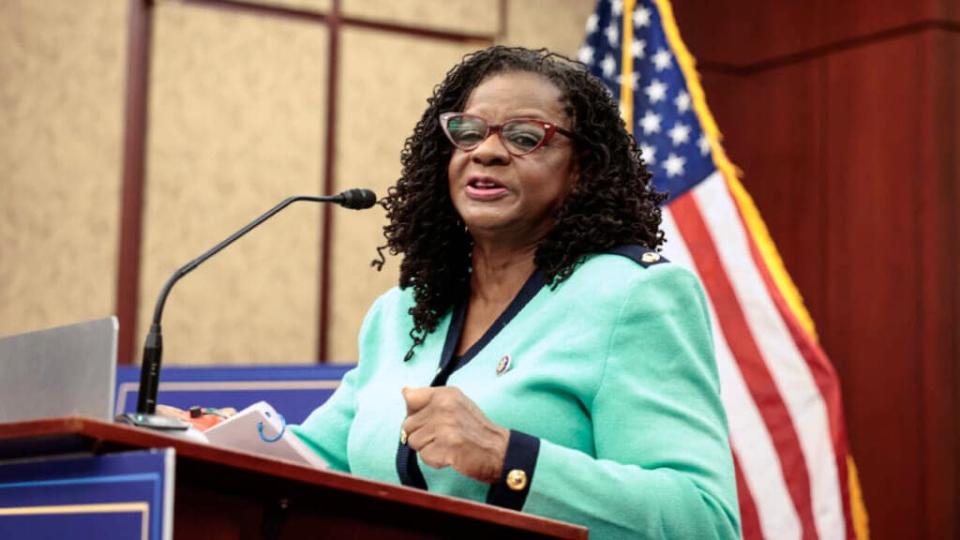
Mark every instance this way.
x=484 y=188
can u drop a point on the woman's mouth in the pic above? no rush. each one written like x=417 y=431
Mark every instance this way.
x=484 y=188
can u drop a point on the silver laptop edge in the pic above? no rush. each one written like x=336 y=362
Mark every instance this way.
x=64 y=371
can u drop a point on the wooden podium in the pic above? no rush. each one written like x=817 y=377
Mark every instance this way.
x=228 y=494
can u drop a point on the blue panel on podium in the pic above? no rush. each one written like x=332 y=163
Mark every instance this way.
x=122 y=495
x=294 y=391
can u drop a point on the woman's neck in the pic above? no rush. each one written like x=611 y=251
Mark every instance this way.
x=500 y=271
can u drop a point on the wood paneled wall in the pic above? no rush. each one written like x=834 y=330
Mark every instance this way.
x=61 y=127
x=137 y=133
x=844 y=118
x=843 y=115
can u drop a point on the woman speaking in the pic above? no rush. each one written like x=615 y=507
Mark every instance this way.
x=538 y=353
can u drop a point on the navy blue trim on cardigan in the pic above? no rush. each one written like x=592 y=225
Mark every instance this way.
x=635 y=253
x=530 y=288
x=448 y=361
x=408 y=469
x=522 y=453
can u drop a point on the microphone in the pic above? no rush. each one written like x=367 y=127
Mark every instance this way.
x=355 y=199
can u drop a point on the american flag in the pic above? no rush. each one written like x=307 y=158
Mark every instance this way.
x=782 y=397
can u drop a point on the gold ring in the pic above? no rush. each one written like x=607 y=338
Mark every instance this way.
x=403 y=436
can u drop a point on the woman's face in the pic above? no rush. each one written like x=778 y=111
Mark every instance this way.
x=506 y=197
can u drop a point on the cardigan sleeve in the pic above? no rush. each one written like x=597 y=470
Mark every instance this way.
x=663 y=467
x=327 y=428
x=325 y=431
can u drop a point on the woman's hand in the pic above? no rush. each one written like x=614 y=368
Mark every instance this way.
x=447 y=429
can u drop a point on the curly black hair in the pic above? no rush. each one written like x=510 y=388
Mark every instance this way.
x=613 y=202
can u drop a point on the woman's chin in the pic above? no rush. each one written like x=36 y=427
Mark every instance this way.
x=492 y=214
x=489 y=223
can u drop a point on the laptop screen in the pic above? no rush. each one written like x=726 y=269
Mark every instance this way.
x=63 y=371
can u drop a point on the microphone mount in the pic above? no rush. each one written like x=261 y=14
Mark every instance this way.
x=356 y=199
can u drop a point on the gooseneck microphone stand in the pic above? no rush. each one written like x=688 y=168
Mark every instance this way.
x=146 y=416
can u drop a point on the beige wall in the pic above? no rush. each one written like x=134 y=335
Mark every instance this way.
x=62 y=65
x=465 y=16
x=236 y=122
x=555 y=24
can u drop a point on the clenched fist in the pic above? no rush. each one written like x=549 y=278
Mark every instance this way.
x=447 y=429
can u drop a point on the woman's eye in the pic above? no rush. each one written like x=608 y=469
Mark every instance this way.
x=523 y=139
x=469 y=135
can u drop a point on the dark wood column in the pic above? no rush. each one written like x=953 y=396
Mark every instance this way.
x=844 y=118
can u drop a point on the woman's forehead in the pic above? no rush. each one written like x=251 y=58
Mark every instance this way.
x=516 y=92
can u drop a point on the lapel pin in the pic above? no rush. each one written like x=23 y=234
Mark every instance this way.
x=503 y=365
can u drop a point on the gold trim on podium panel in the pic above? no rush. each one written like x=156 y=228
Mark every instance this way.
x=102 y=508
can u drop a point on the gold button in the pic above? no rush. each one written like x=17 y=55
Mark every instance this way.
x=650 y=257
x=403 y=436
x=517 y=480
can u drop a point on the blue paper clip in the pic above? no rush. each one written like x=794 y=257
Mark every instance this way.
x=283 y=429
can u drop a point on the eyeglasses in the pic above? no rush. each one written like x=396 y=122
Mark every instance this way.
x=520 y=136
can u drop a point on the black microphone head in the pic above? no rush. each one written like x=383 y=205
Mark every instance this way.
x=357 y=199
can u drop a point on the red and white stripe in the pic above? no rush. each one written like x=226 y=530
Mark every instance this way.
x=779 y=390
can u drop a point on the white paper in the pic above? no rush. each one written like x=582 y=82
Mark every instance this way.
x=259 y=429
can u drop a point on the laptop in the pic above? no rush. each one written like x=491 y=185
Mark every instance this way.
x=64 y=371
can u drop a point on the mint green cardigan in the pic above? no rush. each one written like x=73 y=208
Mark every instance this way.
x=611 y=373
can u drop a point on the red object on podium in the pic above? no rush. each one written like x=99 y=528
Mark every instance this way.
x=221 y=493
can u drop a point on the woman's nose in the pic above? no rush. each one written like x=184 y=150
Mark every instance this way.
x=491 y=151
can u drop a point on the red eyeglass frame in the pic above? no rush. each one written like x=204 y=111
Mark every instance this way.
x=549 y=129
